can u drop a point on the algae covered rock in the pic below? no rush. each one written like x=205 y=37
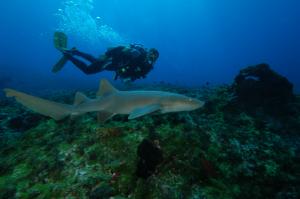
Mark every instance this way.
x=260 y=86
x=25 y=121
x=268 y=96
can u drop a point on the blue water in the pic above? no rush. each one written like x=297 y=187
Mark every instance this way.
x=199 y=40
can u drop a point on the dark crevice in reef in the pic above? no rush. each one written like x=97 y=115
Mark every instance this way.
x=150 y=156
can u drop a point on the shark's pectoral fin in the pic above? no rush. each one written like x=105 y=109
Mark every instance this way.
x=103 y=116
x=144 y=111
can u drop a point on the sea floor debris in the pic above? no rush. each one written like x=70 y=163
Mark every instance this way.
x=221 y=151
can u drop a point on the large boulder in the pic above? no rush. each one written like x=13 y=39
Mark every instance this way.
x=259 y=86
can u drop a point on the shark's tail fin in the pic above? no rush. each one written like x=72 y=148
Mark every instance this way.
x=52 y=109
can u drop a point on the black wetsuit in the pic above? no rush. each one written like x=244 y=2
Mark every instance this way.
x=128 y=62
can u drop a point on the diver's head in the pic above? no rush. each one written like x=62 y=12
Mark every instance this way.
x=153 y=55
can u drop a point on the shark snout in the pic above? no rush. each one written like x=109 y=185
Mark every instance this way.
x=195 y=103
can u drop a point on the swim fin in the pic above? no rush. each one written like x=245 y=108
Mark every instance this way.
x=60 y=41
x=60 y=64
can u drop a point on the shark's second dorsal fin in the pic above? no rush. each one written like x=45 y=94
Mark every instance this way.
x=80 y=98
x=105 y=88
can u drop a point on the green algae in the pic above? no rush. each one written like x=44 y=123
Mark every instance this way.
x=21 y=171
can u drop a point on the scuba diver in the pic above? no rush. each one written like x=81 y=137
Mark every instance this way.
x=129 y=62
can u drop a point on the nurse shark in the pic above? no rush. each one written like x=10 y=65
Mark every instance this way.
x=109 y=102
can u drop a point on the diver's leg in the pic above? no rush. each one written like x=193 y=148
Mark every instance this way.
x=84 y=55
x=79 y=64
x=95 y=67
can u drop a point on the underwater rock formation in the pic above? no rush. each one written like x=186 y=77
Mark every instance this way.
x=24 y=121
x=268 y=96
x=260 y=86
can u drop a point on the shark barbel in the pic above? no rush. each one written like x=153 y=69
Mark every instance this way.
x=109 y=102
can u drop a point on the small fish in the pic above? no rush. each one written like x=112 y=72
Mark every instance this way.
x=109 y=102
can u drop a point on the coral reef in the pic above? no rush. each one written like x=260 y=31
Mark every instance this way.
x=222 y=151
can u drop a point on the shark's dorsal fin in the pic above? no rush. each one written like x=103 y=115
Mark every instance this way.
x=80 y=98
x=105 y=88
